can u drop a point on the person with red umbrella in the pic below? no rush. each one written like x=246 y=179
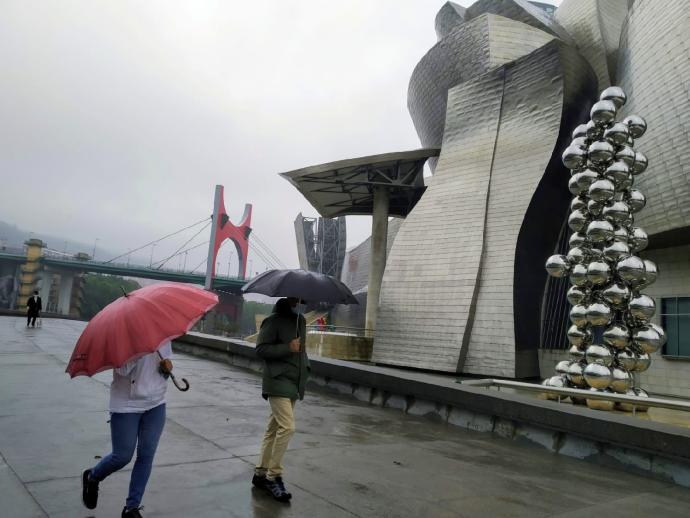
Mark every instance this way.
x=132 y=337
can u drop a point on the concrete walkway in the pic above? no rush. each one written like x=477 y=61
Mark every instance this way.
x=347 y=459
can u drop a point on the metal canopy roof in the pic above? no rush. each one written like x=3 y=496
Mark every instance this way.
x=347 y=187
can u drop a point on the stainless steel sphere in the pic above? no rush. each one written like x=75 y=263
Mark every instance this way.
x=580 y=131
x=616 y=212
x=617 y=134
x=597 y=375
x=577 y=239
x=601 y=190
x=594 y=132
x=586 y=178
x=578 y=338
x=576 y=295
x=660 y=331
x=578 y=275
x=626 y=154
x=620 y=234
x=600 y=404
x=636 y=200
x=641 y=393
x=574 y=157
x=557 y=266
x=617 y=336
x=578 y=315
x=575 y=373
x=626 y=359
x=615 y=251
x=615 y=94
x=595 y=208
x=577 y=220
x=598 y=273
x=581 y=142
x=651 y=272
x=603 y=113
x=562 y=367
x=642 y=362
x=576 y=353
x=640 y=165
x=617 y=172
x=577 y=203
x=599 y=231
x=631 y=270
x=573 y=186
x=599 y=314
x=601 y=354
x=616 y=295
x=577 y=255
x=636 y=125
x=637 y=239
x=595 y=254
x=622 y=380
x=626 y=407
x=642 y=307
x=646 y=339
x=599 y=152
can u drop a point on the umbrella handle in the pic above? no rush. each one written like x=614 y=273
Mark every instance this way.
x=184 y=388
x=181 y=388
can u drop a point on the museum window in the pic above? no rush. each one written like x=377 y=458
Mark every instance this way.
x=675 y=319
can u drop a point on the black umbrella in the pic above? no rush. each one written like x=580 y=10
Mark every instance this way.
x=301 y=284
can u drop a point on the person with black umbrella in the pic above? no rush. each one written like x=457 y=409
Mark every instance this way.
x=281 y=344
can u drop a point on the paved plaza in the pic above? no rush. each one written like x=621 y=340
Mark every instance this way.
x=347 y=458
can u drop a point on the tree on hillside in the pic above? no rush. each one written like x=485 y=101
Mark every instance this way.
x=100 y=290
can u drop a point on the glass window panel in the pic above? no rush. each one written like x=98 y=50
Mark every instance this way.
x=684 y=306
x=670 y=324
x=669 y=306
x=684 y=335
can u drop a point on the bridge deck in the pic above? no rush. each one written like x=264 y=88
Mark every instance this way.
x=347 y=458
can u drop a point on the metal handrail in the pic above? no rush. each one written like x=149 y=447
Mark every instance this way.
x=635 y=401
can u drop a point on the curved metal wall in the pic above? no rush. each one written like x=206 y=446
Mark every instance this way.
x=446 y=300
x=654 y=70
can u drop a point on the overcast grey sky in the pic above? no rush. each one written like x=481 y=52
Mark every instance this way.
x=119 y=117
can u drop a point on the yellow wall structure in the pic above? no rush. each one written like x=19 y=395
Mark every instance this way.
x=30 y=271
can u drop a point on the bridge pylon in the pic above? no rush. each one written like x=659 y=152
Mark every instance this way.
x=222 y=229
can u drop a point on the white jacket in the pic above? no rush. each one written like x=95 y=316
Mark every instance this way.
x=139 y=386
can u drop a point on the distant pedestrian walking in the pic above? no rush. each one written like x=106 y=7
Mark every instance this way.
x=137 y=417
x=34 y=306
x=281 y=344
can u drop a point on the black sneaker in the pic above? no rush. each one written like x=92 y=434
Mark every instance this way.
x=132 y=512
x=277 y=490
x=259 y=481
x=89 y=490
x=279 y=481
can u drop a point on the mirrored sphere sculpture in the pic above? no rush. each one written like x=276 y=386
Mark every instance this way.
x=617 y=336
x=597 y=376
x=557 y=266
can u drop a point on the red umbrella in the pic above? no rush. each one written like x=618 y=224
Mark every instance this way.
x=138 y=324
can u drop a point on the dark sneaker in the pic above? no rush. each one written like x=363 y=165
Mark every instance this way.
x=277 y=490
x=259 y=481
x=89 y=490
x=132 y=512
x=279 y=481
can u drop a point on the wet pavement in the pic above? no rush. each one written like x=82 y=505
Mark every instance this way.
x=347 y=458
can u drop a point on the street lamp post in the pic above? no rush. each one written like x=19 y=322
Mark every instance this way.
x=153 y=245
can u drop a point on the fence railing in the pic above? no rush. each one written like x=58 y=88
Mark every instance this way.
x=563 y=393
x=326 y=328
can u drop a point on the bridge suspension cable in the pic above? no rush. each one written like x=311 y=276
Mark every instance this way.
x=180 y=248
x=159 y=239
x=275 y=261
x=205 y=243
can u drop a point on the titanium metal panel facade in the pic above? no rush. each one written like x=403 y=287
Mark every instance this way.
x=595 y=25
x=447 y=296
x=470 y=50
x=654 y=69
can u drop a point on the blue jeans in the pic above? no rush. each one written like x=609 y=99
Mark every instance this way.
x=140 y=430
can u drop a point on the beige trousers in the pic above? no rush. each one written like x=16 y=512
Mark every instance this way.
x=281 y=427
